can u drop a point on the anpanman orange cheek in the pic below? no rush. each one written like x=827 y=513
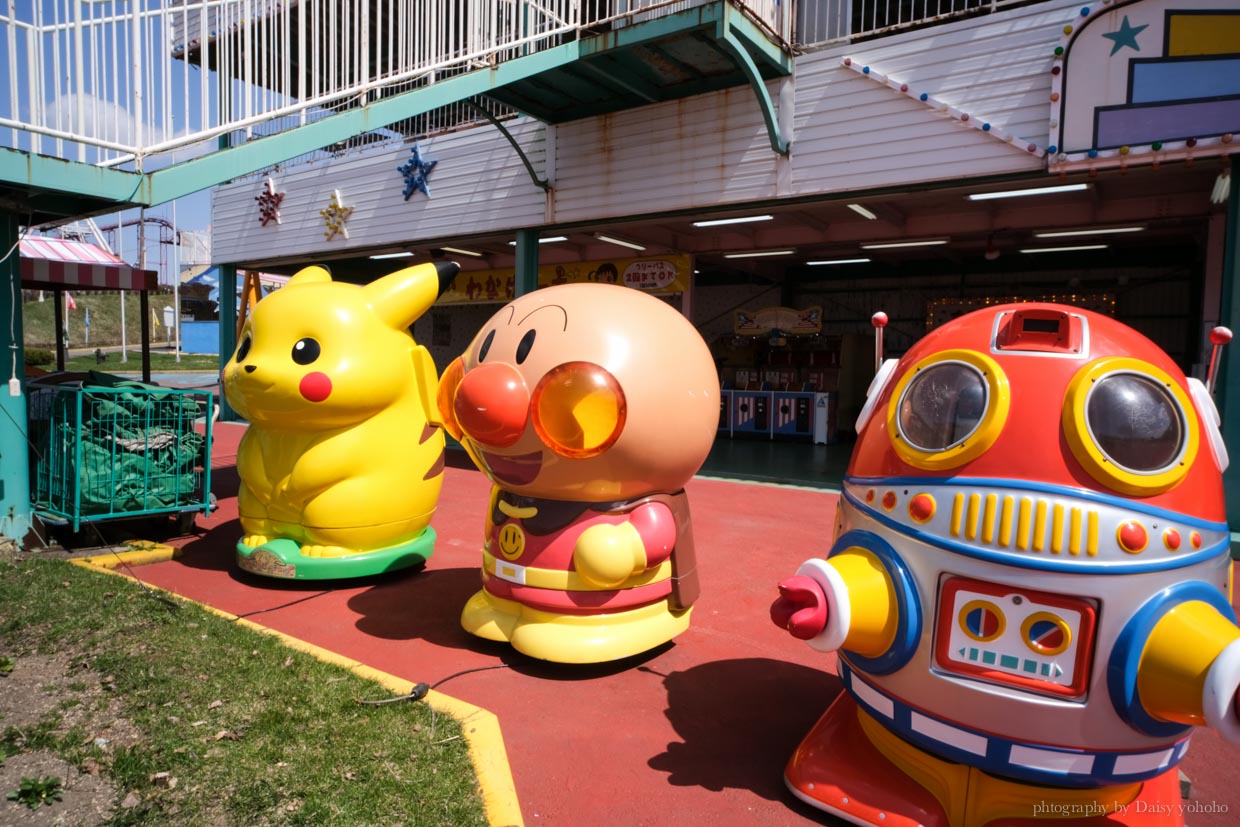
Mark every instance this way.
x=578 y=410
x=446 y=396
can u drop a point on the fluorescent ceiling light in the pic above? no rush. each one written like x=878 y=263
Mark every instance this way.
x=935 y=242
x=459 y=251
x=611 y=239
x=838 y=261
x=760 y=254
x=743 y=220
x=862 y=211
x=392 y=255
x=546 y=240
x=1099 y=231
x=1064 y=249
x=987 y=196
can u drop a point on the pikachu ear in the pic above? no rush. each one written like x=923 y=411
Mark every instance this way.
x=401 y=298
x=310 y=275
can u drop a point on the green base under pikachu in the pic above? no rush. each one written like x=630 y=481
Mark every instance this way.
x=282 y=558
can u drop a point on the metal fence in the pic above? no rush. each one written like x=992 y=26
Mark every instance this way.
x=143 y=83
x=140 y=84
x=820 y=22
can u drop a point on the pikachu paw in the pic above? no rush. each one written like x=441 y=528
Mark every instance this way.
x=255 y=540
x=309 y=550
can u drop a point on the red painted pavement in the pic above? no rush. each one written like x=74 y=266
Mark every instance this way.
x=696 y=732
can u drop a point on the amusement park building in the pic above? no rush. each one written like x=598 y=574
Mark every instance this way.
x=868 y=145
x=859 y=141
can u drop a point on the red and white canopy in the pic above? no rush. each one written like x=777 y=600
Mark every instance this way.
x=47 y=263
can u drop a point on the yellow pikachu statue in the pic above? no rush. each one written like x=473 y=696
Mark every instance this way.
x=343 y=460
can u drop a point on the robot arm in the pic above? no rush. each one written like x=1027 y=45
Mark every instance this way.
x=847 y=602
x=1189 y=670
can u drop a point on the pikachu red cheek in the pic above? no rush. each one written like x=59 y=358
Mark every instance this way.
x=315 y=386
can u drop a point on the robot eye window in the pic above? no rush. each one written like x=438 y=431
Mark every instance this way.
x=942 y=406
x=1135 y=422
x=948 y=409
x=1130 y=425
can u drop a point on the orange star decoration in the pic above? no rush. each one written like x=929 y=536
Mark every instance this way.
x=335 y=216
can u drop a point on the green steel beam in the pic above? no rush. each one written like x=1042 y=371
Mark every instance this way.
x=226 y=164
x=628 y=83
x=735 y=44
x=527 y=262
x=1227 y=381
x=735 y=32
x=227 y=289
x=15 y=511
x=542 y=183
x=757 y=40
x=709 y=16
x=43 y=174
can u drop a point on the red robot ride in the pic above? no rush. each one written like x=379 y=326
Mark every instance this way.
x=1029 y=586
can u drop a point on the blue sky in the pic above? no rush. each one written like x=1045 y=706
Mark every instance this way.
x=111 y=98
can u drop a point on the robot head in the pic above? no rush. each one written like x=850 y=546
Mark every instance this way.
x=590 y=392
x=1051 y=394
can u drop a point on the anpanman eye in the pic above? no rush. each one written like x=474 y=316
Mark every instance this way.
x=486 y=346
x=306 y=351
x=523 y=347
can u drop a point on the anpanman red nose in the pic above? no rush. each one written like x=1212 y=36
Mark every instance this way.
x=492 y=404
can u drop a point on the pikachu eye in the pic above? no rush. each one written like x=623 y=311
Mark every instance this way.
x=243 y=349
x=306 y=351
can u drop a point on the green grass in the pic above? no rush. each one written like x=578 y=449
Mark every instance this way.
x=39 y=324
x=161 y=362
x=255 y=733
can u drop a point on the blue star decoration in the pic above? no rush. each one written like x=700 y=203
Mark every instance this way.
x=415 y=171
x=1126 y=36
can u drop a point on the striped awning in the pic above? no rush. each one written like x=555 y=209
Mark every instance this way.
x=48 y=263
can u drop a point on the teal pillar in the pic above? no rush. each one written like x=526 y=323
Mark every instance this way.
x=228 y=330
x=15 y=512
x=1227 y=382
x=527 y=262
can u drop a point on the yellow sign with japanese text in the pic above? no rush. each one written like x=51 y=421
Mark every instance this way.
x=653 y=274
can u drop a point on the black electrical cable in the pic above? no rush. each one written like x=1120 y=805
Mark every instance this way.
x=420 y=690
x=285 y=605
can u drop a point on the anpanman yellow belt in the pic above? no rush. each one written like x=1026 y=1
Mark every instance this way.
x=568 y=581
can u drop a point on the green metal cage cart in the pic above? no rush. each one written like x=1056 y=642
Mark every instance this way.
x=104 y=447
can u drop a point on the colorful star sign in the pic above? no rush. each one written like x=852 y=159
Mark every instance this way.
x=1126 y=36
x=269 y=204
x=335 y=216
x=415 y=171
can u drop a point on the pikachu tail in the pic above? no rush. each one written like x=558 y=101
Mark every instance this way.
x=447 y=272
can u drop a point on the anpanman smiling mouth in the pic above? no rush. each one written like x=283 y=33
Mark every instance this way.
x=520 y=470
